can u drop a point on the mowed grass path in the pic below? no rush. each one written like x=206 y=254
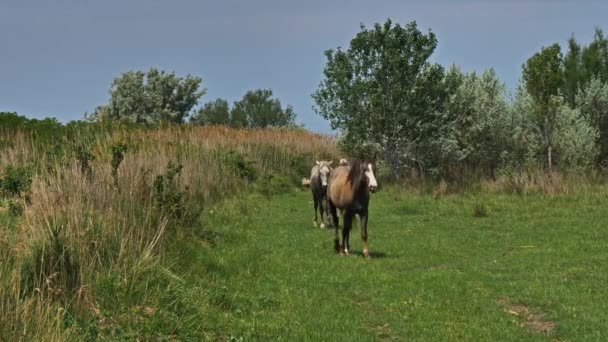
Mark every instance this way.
x=439 y=273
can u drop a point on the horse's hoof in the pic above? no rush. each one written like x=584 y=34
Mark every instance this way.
x=322 y=225
x=314 y=223
x=366 y=254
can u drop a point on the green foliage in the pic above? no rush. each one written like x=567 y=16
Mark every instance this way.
x=238 y=164
x=84 y=157
x=575 y=139
x=525 y=146
x=274 y=184
x=478 y=110
x=542 y=75
x=383 y=91
x=150 y=98
x=15 y=207
x=118 y=154
x=167 y=194
x=16 y=180
x=582 y=64
x=213 y=113
x=257 y=108
x=592 y=101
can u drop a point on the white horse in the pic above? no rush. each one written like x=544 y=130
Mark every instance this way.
x=318 y=186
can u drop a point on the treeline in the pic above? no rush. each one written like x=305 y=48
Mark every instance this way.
x=388 y=100
x=157 y=96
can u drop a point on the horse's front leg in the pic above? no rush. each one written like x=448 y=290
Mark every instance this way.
x=322 y=211
x=363 y=224
x=348 y=222
x=315 y=206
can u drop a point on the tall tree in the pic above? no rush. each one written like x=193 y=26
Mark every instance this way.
x=595 y=57
x=584 y=63
x=592 y=101
x=257 y=108
x=383 y=91
x=573 y=71
x=479 y=112
x=542 y=75
x=213 y=113
x=152 y=97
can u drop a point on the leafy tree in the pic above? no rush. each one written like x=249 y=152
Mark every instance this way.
x=524 y=141
x=575 y=139
x=479 y=111
x=583 y=63
x=152 y=97
x=213 y=113
x=592 y=101
x=542 y=75
x=257 y=108
x=573 y=71
x=594 y=58
x=382 y=92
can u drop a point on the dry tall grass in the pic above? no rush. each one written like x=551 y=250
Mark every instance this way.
x=78 y=227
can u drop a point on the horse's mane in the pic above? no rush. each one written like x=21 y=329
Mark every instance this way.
x=355 y=174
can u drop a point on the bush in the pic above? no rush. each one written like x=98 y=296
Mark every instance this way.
x=118 y=154
x=237 y=163
x=273 y=184
x=16 y=181
x=15 y=208
x=166 y=192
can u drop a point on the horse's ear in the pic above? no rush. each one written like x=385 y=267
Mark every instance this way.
x=318 y=162
x=331 y=161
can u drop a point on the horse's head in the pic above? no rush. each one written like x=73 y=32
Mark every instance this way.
x=362 y=172
x=324 y=168
x=369 y=171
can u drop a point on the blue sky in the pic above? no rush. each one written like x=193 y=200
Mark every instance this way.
x=58 y=58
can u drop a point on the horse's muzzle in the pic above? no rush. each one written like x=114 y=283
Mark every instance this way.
x=373 y=189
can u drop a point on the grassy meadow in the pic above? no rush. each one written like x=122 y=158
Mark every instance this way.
x=203 y=233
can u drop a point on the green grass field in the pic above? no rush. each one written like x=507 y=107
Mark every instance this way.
x=533 y=268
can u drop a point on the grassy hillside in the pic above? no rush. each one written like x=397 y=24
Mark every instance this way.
x=192 y=234
x=90 y=214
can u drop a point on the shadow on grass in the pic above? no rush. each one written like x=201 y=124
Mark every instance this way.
x=372 y=254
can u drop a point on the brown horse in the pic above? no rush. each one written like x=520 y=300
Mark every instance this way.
x=349 y=190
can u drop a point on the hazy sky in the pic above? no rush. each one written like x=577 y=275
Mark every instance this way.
x=58 y=58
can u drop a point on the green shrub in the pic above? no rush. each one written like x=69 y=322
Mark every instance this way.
x=166 y=191
x=15 y=208
x=237 y=163
x=16 y=180
x=274 y=184
x=84 y=157
x=118 y=154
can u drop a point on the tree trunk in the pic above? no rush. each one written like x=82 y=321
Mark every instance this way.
x=392 y=159
x=548 y=143
x=549 y=161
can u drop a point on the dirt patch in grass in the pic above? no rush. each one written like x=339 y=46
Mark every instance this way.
x=530 y=318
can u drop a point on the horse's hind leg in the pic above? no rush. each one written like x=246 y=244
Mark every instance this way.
x=334 y=218
x=363 y=221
